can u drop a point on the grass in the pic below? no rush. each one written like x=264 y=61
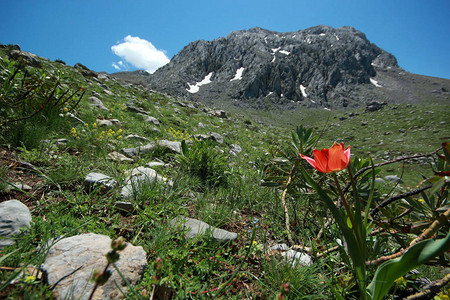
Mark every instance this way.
x=209 y=184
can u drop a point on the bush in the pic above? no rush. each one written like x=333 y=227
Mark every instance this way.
x=203 y=161
x=31 y=102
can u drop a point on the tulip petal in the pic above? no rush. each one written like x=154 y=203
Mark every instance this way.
x=310 y=160
x=347 y=155
x=321 y=159
x=336 y=158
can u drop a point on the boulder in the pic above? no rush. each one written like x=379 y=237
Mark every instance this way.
x=14 y=216
x=71 y=261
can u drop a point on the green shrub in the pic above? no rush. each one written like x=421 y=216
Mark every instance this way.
x=203 y=161
x=31 y=102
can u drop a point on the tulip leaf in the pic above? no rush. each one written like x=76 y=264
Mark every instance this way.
x=357 y=257
x=417 y=255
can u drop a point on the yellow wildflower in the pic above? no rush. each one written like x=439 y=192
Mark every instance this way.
x=94 y=125
x=30 y=279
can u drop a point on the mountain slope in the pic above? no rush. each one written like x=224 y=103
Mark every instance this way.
x=319 y=67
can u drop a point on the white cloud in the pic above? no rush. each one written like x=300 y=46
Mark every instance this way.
x=139 y=53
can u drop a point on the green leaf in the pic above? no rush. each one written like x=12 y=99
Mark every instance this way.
x=357 y=257
x=417 y=255
x=349 y=223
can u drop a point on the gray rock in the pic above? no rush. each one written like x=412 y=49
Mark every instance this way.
x=165 y=145
x=104 y=123
x=139 y=177
x=392 y=178
x=14 y=216
x=211 y=136
x=135 y=109
x=108 y=92
x=279 y=247
x=380 y=180
x=94 y=180
x=295 y=258
x=136 y=137
x=235 y=148
x=375 y=106
x=29 y=58
x=124 y=206
x=152 y=120
x=95 y=102
x=218 y=113
x=17 y=185
x=155 y=164
x=71 y=261
x=116 y=156
x=198 y=228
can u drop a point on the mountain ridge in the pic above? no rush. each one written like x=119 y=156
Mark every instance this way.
x=319 y=66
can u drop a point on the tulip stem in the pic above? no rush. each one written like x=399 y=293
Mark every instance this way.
x=347 y=208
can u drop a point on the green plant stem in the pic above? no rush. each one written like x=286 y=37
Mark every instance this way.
x=347 y=208
x=96 y=283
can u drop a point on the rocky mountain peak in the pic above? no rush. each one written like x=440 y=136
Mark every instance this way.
x=318 y=66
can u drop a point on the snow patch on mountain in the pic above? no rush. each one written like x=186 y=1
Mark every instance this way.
x=238 y=75
x=194 y=88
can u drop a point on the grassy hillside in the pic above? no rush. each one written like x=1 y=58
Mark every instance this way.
x=51 y=101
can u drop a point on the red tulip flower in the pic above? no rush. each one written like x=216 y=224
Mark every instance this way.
x=330 y=160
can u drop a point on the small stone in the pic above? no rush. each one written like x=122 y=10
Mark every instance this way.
x=94 y=180
x=136 y=137
x=104 y=123
x=279 y=247
x=218 y=113
x=295 y=258
x=95 y=102
x=14 y=216
x=155 y=164
x=392 y=178
x=125 y=207
x=198 y=228
x=108 y=92
x=132 y=108
x=152 y=120
x=22 y=186
x=235 y=148
x=116 y=156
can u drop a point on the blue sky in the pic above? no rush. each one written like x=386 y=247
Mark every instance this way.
x=147 y=34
